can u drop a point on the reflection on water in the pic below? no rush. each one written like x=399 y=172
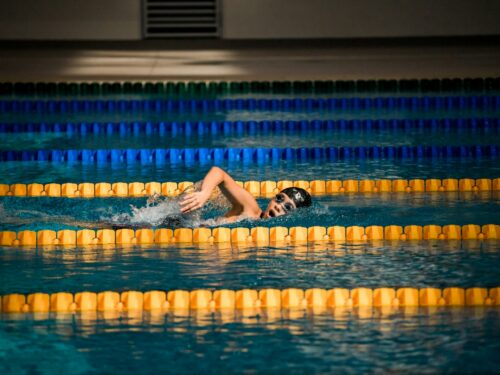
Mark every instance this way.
x=297 y=139
x=248 y=115
x=42 y=172
x=341 y=209
x=333 y=340
x=383 y=264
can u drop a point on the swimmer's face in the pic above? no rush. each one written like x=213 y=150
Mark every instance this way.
x=279 y=205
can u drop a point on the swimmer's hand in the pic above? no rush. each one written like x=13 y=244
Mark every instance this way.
x=194 y=201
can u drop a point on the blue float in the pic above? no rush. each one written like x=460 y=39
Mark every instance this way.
x=317 y=153
x=42 y=155
x=361 y=152
x=109 y=128
x=159 y=155
x=303 y=153
x=238 y=127
x=234 y=154
x=188 y=155
x=174 y=155
x=263 y=155
x=375 y=152
x=56 y=156
x=203 y=155
x=218 y=155
x=288 y=154
x=131 y=155
x=27 y=156
x=102 y=156
x=389 y=152
x=72 y=156
x=87 y=156
x=332 y=153
x=276 y=154
x=265 y=126
x=346 y=152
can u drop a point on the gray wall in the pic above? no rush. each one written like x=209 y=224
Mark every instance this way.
x=359 y=18
x=243 y=19
x=70 y=19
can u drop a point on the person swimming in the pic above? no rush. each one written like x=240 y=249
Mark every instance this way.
x=240 y=204
x=244 y=205
x=218 y=187
x=184 y=211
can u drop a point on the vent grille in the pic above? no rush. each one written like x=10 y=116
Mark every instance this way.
x=180 y=18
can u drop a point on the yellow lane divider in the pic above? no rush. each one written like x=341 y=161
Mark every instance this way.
x=257 y=188
x=256 y=235
x=248 y=298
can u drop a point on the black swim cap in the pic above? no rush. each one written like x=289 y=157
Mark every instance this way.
x=299 y=196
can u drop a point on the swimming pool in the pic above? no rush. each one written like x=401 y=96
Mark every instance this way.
x=393 y=269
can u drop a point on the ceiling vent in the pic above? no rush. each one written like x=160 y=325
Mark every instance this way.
x=181 y=19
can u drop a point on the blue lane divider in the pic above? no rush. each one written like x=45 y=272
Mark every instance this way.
x=215 y=105
x=239 y=127
x=250 y=155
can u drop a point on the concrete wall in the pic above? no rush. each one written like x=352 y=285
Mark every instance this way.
x=359 y=18
x=70 y=19
x=255 y=19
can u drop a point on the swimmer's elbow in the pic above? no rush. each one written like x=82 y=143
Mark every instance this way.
x=221 y=174
x=218 y=171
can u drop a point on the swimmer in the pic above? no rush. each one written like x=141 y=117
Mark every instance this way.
x=244 y=205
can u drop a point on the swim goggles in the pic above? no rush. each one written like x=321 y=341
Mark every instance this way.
x=287 y=206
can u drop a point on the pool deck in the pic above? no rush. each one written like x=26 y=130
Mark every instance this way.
x=249 y=60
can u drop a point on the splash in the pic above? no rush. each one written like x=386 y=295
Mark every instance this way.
x=165 y=212
x=161 y=212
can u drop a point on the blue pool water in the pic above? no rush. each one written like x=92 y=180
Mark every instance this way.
x=42 y=172
x=400 y=340
x=241 y=115
x=413 y=264
x=335 y=138
x=414 y=341
x=343 y=209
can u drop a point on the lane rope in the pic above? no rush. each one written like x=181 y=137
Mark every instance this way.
x=264 y=189
x=260 y=236
x=180 y=88
x=191 y=156
x=202 y=128
x=427 y=103
x=269 y=298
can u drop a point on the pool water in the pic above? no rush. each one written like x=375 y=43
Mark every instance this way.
x=121 y=268
x=43 y=172
x=334 y=138
x=246 y=115
x=444 y=341
x=343 y=209
x=354 y=340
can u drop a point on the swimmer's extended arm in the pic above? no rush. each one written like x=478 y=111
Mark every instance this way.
x=242 y=200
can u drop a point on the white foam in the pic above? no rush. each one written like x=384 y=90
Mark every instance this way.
x=152 y=215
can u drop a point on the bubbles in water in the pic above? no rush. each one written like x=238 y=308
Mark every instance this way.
x=149 y=215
